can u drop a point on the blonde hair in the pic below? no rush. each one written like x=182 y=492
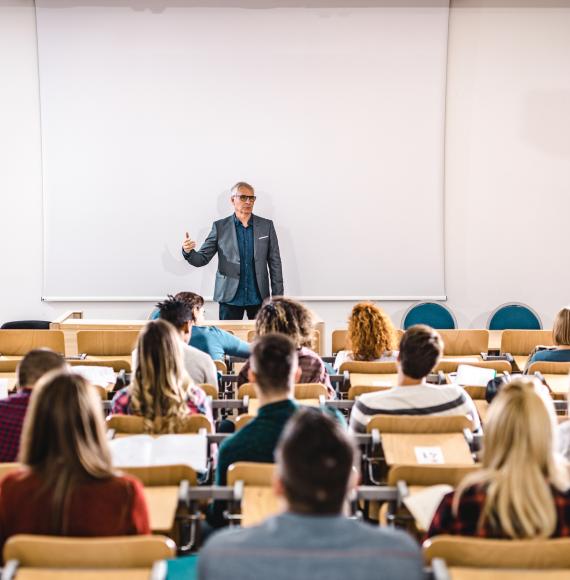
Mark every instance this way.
x=64 y=440
x=160 y=382
x=561 y=327
x=370 y=331
x=519 y=464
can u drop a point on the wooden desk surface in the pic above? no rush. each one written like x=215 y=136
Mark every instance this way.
x=162 y=504
x=560 y=385
x=399 y=448
x=373 y=380
x=257 y=504
x=11 y=377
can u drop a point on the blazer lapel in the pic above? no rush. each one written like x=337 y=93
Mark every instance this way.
x=233 y=237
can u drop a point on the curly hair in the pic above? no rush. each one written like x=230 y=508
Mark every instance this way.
x=160 y=381
x=370 y=331
x=286 y=316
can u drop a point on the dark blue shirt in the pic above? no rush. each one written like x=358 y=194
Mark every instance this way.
x=247 y=293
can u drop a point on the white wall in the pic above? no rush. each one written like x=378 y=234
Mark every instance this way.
x=507 y=165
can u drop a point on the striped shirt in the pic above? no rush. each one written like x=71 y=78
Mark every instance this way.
x=420 y=400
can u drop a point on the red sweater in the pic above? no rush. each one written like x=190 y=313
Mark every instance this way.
x=109 y=507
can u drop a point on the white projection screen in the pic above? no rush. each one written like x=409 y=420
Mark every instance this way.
x=151 y=110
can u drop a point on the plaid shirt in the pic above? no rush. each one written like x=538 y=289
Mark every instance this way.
x=197 y=402
x=471 y=506
x=12 y=413
x=313 y=370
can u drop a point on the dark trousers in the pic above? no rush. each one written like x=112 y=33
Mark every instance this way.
x=230 y=312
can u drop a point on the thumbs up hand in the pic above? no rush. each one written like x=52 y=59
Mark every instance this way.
x=188 y=244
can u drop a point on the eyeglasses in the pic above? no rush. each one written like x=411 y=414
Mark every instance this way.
x=245 y=198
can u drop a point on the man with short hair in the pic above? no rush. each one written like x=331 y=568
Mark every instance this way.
x=13 y=409
x=274 y=370
x=421 y=348
x=248 y=257
x=312 y=538
x=199 y=365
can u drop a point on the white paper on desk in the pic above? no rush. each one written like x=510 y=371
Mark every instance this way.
x=423 y=504
x=101 y=376
x=4 y=388
x=474 y=376
x=145 y=450
x=429 y=455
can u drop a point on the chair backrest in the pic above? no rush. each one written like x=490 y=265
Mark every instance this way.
x=26 y=325
x=315 y=341
x=133 y=424
x=433 y=314
x=521 y=342
x=6 y=468
x=21 y=342
x=369 y=368
x=549 y=368
x=514 y=315
x=464 y=342
x=117 y=364
x=358 y=390
x=210 y=390
x=162 y=475
x=258 y=474
x=423 y=424
x=426 y=475
x=340 y=340
x=242 y=420
x=484 y=553
x=302 y=391
x=107 y=342
x=221 y=366
x=112 y=552
x=251 y=335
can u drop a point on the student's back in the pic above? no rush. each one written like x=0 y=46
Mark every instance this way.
x=292 y=546
x=114 y=506
x=312 y=538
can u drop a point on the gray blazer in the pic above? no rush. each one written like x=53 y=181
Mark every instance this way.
x=223 y=240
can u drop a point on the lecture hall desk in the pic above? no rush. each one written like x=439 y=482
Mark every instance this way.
x=71 y=322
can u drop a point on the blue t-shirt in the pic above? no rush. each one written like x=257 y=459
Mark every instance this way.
x=217 y=342
x=556 y=355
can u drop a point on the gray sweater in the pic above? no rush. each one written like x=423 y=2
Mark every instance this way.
x=297 y=547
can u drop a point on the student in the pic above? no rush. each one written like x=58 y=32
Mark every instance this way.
x=161 y=386
x=13 y=409
x=522 y=491
x=67 y=485
x=371 y=335
x=210 y=339
x=561 y=336
x=312 y=538
x=421 y=348
x=289 y=317
x=199 y=365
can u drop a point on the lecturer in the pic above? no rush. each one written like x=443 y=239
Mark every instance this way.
x=248 y=256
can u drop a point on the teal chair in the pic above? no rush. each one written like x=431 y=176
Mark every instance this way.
x=514 y=316
x=433 y=314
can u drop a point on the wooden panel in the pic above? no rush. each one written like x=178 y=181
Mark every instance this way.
x=257 y=504
x=20 y=342
x=419 y=424
x=162 y=504
x=521 y=342
x=109 y=343
x=464 y=342
x=483 y=553
x=75 y=574
x=497 y=574
x=373 y=380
